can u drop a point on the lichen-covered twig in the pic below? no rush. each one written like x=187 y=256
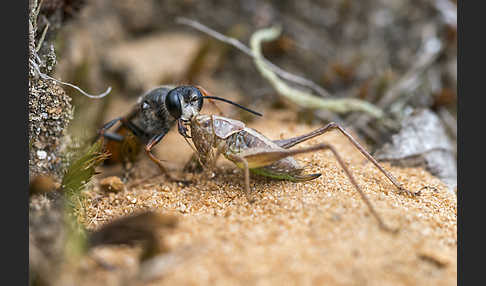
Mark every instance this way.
x=304 y=99
x=240 y=46
x=35 y=6
x=271 y=72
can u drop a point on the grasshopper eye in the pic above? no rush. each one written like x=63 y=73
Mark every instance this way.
x=173 y=104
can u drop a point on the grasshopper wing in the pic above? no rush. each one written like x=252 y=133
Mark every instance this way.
x=276 y=163
x=225 y=127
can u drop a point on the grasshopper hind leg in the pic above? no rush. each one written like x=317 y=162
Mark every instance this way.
x=288 y=143
x=268 y=157
x=244 y=164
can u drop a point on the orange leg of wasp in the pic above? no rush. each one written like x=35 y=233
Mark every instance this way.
x=148 y=151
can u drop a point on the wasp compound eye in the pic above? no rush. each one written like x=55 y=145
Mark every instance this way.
x=145 y=105
x=173 y=104
x=192 y=95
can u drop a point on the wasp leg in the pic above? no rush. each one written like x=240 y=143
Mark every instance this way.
x=112 y=122
x=104 y=128
x=149 y=145
x=139 y=133
x=113 y=136
x=148 y=150
x=264 y=158
x=287 y=143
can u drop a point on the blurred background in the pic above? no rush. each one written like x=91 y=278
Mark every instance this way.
x=398 y=55
x=351 y=49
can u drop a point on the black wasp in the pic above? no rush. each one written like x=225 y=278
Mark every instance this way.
x=151 y=119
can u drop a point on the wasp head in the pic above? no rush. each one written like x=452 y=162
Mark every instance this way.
x=184 y=102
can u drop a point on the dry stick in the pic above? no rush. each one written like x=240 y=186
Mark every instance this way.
x=240 y=46
x=342 y=105
x=270 y=71
x=411 y=80
x=46 y=77
x=448 y=11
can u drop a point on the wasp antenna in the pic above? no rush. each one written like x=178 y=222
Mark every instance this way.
x=206 y=95
x=234 y=103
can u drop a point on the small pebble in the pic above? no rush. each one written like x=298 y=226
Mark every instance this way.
x=112 y=184
x=41 y=154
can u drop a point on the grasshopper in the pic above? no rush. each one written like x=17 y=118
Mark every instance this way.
x=250 y=150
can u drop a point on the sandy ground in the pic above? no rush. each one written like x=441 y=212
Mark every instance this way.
x=314 y=233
